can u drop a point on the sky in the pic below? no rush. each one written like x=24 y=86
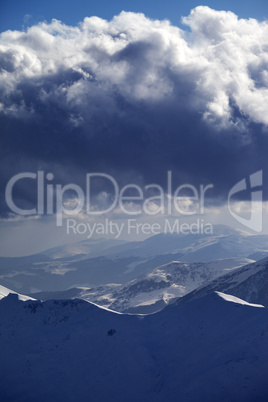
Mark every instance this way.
x=87 y=88
x=30 y=12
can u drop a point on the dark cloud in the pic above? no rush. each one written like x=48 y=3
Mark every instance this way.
x=132 y=98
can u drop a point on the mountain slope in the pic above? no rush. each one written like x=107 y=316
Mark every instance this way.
x=224 y=242
x=206 y=350
x=151 y=292
x=5 y=292
x=83 y=249
x=249 y=283
x=79 y=265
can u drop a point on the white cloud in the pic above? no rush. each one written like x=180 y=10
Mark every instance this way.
x=223 y=60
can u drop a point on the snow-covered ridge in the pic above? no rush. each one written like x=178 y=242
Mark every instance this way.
x=70 y=350
x=153 y=291
x=249 y=283
x=5 y=292
x=236 y=300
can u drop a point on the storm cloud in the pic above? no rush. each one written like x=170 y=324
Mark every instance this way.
x=134 y=98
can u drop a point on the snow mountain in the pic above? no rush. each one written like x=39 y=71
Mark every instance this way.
x=211 y=349
x=78 y=265
x=249 y=283
x=5 y=292
x=224 y=242
x=151 y=292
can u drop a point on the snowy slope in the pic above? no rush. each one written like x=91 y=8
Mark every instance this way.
x=5 y=292
x=153 y=291
x=211 y=349
x=236 y=300
x=249 y=283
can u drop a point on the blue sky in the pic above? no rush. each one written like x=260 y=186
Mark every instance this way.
x=18 y=13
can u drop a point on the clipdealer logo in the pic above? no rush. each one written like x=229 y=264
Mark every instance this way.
x=255 y=186
x=51 y=198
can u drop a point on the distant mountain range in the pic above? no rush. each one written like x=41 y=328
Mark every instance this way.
x=153 y=291
x=94 y=263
